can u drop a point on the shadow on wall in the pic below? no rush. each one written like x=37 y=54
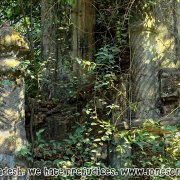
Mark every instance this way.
x=154 y=49
x=12 y=126
x=12 y=115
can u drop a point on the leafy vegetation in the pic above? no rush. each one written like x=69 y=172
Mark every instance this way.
x=152 y=146
x=98 y=95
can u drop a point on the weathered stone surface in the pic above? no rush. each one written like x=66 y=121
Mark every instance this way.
x=12 y=115
x=12 y=47
x=10 y=40
x=169 y=84
x=155 y=38
x=59 y=123
x=170 y=91
x=57 y=127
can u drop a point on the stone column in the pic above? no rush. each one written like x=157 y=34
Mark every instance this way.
x=154 y=37
x=12 y=114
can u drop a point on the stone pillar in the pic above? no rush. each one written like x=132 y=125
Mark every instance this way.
x=12 y=114
x=154 y=37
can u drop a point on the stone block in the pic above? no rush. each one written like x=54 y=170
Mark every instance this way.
x=169 y=84
x=169 y=79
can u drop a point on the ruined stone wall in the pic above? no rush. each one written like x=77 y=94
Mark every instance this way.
x=155 y=62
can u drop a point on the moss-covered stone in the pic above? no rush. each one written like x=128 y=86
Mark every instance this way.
x=12 y=47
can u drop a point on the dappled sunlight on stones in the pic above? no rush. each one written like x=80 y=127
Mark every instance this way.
x=12 y=114
x=154 y=42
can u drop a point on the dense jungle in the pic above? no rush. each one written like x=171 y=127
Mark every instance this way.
x=90 y=89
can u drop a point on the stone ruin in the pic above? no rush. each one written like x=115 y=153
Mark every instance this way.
x=13 y=47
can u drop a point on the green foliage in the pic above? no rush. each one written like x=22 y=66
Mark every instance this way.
x=101 y=103
x=107 y=55
x=26 y=152
x=79 y=150
x=70 y=2
x=24 y=16
x=153 y=146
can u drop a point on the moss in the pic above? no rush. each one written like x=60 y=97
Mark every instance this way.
x=12 y=40
x=8 y=64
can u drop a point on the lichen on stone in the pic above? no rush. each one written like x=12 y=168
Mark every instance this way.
x=12 y=47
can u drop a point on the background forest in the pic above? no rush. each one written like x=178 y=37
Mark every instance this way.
x=79 y=83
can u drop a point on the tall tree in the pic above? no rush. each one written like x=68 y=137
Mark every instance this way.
x=55 y=44
x=67 y=38
x=83 y=19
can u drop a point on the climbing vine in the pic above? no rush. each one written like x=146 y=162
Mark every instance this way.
x=100 y=98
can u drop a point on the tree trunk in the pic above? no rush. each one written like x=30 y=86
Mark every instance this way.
x=83 y=19
x=59 y=42
x=56 y=43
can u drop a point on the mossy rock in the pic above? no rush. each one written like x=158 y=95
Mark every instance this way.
x=12 y=47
